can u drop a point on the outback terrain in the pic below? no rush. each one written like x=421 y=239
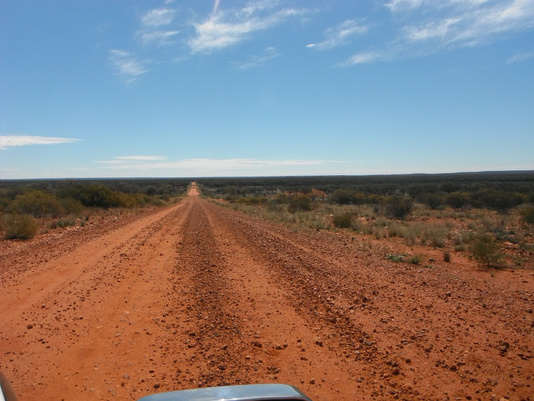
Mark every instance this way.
x=197 y=295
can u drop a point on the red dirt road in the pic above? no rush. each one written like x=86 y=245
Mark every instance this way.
x=196 y=295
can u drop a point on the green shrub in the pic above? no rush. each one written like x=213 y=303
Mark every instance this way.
x=66 y=223
x=458 y=199
x=432 y=200
x=18 y=226
x=95 y=195
x=396 y=258
x=343 y=220
x=396 y=230
x=416 y=259
x=342 y=196
x=38 y=204
x=299 y=203
x=72 y=206
x=528 y=215
x=486 y=251
x=399 y=207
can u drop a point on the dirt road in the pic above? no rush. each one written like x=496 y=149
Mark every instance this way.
x=198 y=295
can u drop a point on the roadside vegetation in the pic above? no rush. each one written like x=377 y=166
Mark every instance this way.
x=30 y=207
x=485 y=217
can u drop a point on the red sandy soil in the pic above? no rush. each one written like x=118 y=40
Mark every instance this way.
x=196 y=295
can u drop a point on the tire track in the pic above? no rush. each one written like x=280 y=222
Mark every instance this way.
x=100 y=330
x=213 y=329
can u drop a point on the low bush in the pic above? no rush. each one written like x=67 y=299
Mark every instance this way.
x=38 y=204
x=343 y=220
x=486 y=251
x=416 y=259
x=396 y=258
x=17 y=226
x=399 y=207
x=299 y=203
x=528 y=215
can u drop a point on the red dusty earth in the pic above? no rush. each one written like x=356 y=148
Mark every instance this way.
x=197 y=295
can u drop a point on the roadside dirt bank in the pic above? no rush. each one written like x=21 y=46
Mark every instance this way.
x=198 y=295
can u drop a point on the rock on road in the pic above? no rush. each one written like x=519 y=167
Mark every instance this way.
x=197 y=295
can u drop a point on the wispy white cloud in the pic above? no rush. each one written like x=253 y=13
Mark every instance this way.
x=469 y=23
x=340 y=34
x=427 y=27
x=9 y=141
x=156 y=27
x=158 y=37
x=144 y=158
x=204 y=165
x=268 y=54
x=226 y=28
x=517 y=58
x=158 y=17
x=404 y=6
x=127 y=66
x=364 y=58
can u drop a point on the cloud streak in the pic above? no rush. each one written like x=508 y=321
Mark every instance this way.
x=267 y=55
x=9 y=141
x=472 y=23
x=214 y=166
x=340 y=34
x=158 y=17
x=520 y=57
x=435 y=26
x=156 y=27
x=127 y=66
x=229 y=27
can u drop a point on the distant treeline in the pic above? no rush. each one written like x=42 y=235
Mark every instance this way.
x=43 y=198
x=496 y=190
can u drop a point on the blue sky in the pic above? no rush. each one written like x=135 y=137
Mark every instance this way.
x=257 y=88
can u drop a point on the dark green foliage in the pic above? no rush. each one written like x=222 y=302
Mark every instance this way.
x=396 y=258
x=20 y=200
x=528 y=215
x=342 y=196
x=416 y=260
x=499 y=200
x=432 y=200
x=38 y=204
x=343 y=220
x=17 y=226
x=399 y=207
x=458 y=199
x=71 y=206
x=282 y=199
x=457 y=190
x=92 y=195
x=299 y=203
x=486 y=251
x=151 y=190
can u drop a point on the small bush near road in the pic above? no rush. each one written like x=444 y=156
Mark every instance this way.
x=486 y=251
x=17 y=226
x=300 y=203
x=399 y=207
x=343 y=220
x=38 y=204
x=528 y=215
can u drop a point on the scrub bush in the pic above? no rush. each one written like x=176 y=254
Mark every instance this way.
x=17 y=226
x=300 y=203
x=486 y=251
x=343 y=220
